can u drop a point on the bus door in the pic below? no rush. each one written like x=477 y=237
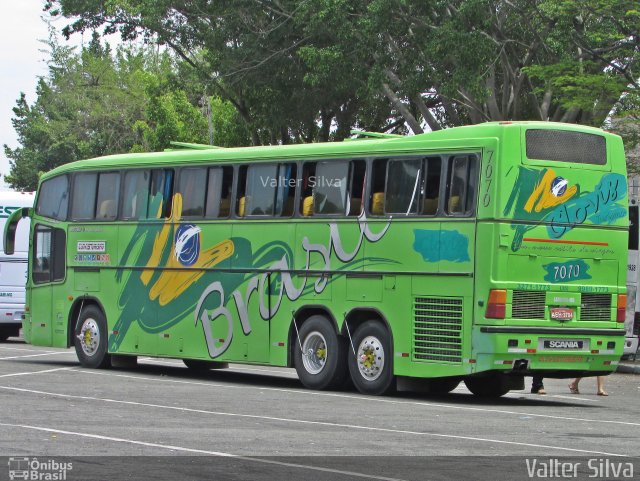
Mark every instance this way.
x=47 y=278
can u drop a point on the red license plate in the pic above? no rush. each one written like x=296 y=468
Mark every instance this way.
x=561 y=313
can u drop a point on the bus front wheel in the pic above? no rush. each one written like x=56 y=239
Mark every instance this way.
x=372 y=366
x=320 y=354
x=91 y=339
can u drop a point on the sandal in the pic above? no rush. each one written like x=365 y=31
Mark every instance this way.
x=603 y=393
x=574 y=390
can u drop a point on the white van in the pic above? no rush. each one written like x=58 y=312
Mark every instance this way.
x=13 y=268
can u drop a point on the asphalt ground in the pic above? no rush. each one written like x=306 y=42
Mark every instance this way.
x=161 y=421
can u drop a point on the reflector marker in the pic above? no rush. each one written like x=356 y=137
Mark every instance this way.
x=555 y=241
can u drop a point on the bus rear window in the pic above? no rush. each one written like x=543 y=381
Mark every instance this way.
x=566 y=146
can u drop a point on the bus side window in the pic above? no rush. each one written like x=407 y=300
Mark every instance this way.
x=356 y=188
x=49 y=250
x=108 y=195
x=378 y=178
x=331 y=188
x=286 y=189
x=41 y=255
x=403 y=186
x=191 y=187
x=136 y=193
x=461 y=184
x=260 y=192
x=308 y=182
x=159 y=204
x=219 y=187
x=433 y=174
x=53 y=199
x=83 y=204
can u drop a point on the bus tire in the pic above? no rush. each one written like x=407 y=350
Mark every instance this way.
x=199 y=365
x=371 y=368
x=91 y=339
x=443 y=385
x=324 y=365
x=487 y=386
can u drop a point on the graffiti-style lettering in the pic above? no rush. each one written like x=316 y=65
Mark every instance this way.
x=260 y=284
x=599 y=206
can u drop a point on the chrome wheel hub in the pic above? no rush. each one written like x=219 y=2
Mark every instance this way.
x=370 y=358
x=89 y=336
x=314 y=352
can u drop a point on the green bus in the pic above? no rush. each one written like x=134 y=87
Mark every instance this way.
x=483 y=253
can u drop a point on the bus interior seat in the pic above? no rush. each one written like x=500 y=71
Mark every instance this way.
x=430 y=206
x=454 y=204
x=307 y=206
x=107 y=209
x=377 y=203
x=241 y=205
x=225 y=207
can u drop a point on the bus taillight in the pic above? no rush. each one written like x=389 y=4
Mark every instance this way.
x=622 y=307
x=497 y=305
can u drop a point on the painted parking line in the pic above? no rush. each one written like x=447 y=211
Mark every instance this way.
x=48 y=353
x=19 y=349
x=198 y=451
x=36 y=372
x=356 y=427
x=367 y=399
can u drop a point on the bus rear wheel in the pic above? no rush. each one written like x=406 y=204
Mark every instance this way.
x=91 y=339
x=320 y=355
x=487 y=386
x=443 y=385
x=372 y=366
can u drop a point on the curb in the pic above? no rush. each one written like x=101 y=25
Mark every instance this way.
x=628 y=368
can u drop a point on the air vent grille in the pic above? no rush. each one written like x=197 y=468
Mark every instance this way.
x=596 y=307
x=528 y=305
x=437 y=329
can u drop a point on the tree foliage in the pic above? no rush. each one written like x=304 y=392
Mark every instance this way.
x=296 y=67
x=98 y=102
x=306 y=70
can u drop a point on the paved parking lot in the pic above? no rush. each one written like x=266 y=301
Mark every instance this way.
x=261 y=422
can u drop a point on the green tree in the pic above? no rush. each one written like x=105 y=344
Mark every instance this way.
x=98 y=102
x=295 y=65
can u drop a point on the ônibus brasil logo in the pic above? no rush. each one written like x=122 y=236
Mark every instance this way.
x=32 y=469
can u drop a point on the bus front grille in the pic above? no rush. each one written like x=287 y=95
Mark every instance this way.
x=595 y=307
x=437 y=329
x=528 y=305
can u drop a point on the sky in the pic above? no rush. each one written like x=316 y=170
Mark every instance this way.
x=22 y=27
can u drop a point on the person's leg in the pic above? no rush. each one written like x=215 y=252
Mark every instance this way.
x=573 y=386
x=601 y=391
x=537 y=386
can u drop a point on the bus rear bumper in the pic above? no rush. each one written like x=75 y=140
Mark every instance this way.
x=546 y=351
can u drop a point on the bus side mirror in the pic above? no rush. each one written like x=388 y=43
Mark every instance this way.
x=11 y=226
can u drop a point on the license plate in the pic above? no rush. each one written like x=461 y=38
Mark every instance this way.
x=561 y=313
x=565 y=344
